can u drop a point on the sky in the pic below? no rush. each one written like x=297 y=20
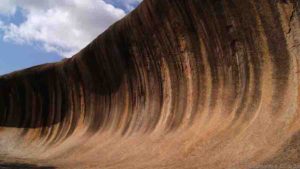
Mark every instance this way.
x=34 y=32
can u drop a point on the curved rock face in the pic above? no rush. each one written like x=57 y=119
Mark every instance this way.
x=175 y=84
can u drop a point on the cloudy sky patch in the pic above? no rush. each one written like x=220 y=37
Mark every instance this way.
x=34 y=32
x=61 y=26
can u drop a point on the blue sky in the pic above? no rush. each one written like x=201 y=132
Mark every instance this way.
x=15 y=56
x=34 y=32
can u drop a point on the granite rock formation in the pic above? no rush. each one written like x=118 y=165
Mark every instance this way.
x=176 y=84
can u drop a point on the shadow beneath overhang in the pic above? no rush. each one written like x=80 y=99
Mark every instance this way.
x=22 y=166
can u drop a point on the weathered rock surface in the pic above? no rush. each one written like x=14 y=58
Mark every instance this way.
x=177 y=84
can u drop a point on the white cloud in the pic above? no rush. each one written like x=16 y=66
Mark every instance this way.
x=7 y=7
x=61 y=26
x=127 y=5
